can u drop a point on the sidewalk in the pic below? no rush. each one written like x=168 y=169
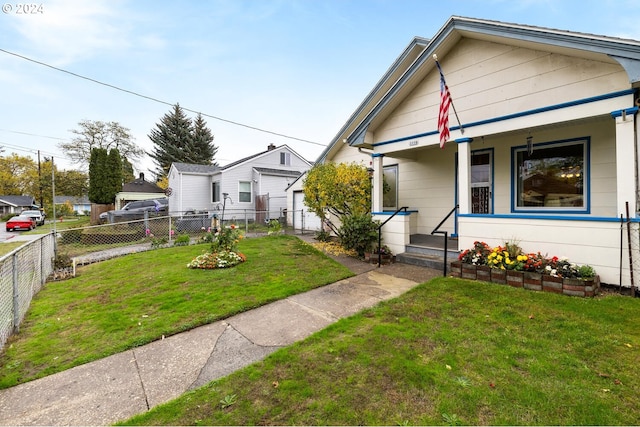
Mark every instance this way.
x=125 y=384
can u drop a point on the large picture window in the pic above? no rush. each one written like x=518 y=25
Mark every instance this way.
x=551 y=177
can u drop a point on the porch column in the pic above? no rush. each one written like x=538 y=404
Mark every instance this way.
x=376 y=191
x=464 y=175
x=626 y=173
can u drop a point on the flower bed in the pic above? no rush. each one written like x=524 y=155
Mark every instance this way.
x=509 y=265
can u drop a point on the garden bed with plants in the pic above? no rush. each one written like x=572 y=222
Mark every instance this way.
x=511 y=266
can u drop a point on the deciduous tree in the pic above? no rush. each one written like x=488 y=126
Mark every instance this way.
x=338 y=190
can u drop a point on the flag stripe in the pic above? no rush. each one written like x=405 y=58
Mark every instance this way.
x=443 y=112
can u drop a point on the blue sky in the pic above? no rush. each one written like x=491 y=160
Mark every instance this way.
x=293 y=67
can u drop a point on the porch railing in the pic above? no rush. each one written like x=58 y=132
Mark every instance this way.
x=446 y=236
x=404 y=208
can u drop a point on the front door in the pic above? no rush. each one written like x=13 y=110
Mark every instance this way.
x=481 y=182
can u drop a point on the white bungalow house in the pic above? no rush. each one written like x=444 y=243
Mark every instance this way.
x=545 y=155
x=15 y=204
x=253 y=184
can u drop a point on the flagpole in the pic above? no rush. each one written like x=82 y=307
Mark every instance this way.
x=435 y=57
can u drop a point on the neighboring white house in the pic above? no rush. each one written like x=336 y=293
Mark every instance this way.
x=547 y=154
x=300 y=216
x=254 y=183
x=80 y=205
x=138 y=189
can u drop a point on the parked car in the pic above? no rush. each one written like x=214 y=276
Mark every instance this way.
x=135 y=210
x=20 y=222
x=37 y=215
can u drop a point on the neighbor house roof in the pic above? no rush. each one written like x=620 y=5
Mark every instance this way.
x=17 y=201
x=416 y=62
x=140 y=185
x=196 y=169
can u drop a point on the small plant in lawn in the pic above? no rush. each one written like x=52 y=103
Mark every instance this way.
x=229 y=400
x=463 y=381
x=451 y=420
x=274 y=227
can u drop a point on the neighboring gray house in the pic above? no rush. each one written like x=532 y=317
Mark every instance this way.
x=254 y=183
x=138 y=189
x=15 y=204
x=80 y=204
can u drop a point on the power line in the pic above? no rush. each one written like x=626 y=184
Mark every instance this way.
x=161 y=101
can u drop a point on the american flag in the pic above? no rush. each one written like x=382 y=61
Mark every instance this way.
x=443 y=113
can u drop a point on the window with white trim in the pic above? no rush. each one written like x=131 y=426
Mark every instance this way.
x=244 y=191
x=285 y=159
x=215 y=192
x=551 y=177
x=390 y=188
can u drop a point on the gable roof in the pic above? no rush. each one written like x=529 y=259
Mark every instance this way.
x=210 y=170
x=195 y=169
x=17 y=201
x=140 y=185
x=405 y=74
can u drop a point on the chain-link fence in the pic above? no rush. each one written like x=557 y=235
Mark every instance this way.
x=22 y=274
x=631 y=233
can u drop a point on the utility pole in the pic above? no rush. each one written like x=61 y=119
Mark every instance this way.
x=40 y=181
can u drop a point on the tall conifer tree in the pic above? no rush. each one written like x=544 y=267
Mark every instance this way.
x=177 y=139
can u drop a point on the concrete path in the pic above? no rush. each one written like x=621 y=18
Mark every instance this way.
x=120 y=386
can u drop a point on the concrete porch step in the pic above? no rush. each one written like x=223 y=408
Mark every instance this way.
x=428 y=251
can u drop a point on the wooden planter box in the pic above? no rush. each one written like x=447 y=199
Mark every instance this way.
x=456 y=269
x=515 y=278
x=483 y=272
x=532 y=281
x=527 y=280
x=499 y=276
x=469 y=271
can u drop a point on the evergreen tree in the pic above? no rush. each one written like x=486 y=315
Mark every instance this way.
x=205 y=150
x=172 y=140
x=105 y=175
x=113 y=182
x=177 y=139
x=97 y=175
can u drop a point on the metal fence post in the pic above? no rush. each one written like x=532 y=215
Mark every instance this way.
x=16 y=299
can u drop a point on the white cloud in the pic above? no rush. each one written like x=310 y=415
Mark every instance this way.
x=69 y=30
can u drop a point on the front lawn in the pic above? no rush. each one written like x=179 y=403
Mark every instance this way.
x=132 y=300
x=449 y=352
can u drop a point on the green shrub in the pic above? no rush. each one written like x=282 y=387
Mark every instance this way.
x=586 y=272
x=359 y=233
x=182 y=240
x=323 y=236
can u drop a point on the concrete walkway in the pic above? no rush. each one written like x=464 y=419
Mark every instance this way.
x=125 y=384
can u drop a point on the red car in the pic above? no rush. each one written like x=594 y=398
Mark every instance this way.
x=21 y=222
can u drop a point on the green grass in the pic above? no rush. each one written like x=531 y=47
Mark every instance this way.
x=6 y=247
x=448 y=352
x=132 y=300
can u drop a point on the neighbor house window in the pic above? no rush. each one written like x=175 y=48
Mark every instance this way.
x=244 y=191
x=551 y=176
x=215 y=192
x=285 y=159
x=390 y=188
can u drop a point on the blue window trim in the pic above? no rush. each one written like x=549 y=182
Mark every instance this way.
x=551 y=217
x=520 y=114
x=587 y=179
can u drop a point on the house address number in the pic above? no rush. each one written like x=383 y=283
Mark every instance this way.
x=413 y=143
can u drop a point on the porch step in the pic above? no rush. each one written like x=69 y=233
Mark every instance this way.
x=428 y=251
